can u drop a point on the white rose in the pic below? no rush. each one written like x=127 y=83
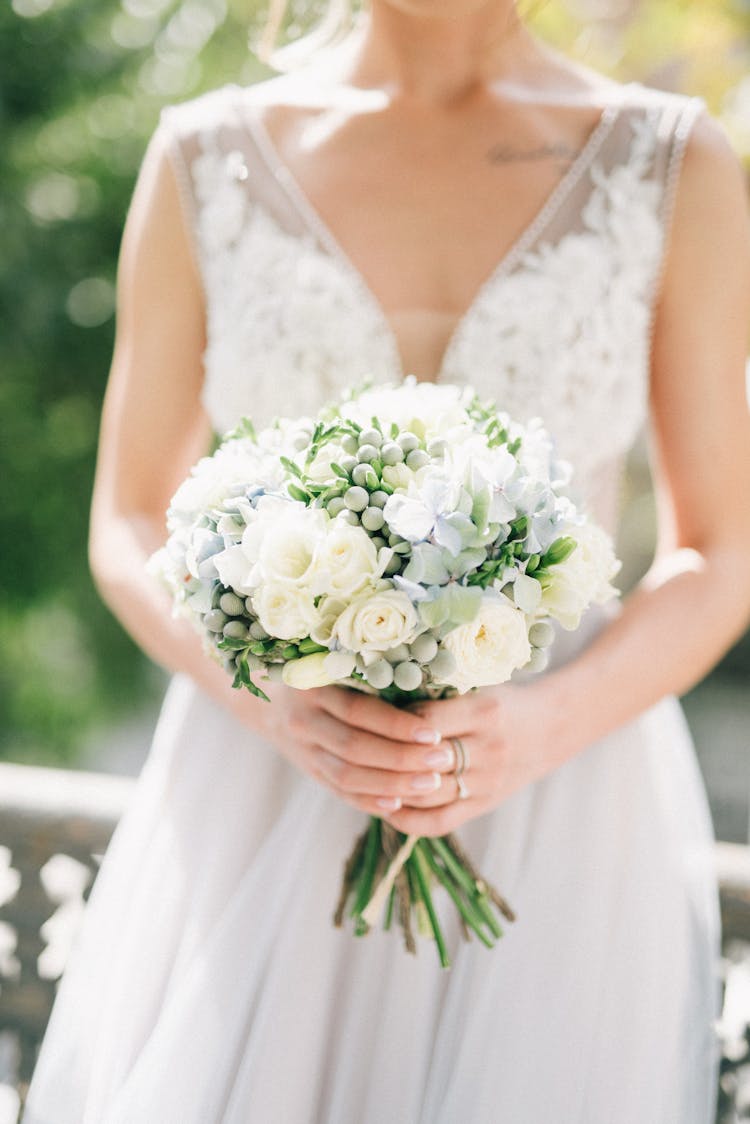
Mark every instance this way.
x=583 y=579
x=285 y=611
x=491 y=647
x=283 y=543
x=347 y=560
x=377 y=622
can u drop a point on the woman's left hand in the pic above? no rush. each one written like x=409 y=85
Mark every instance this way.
x=512 y=736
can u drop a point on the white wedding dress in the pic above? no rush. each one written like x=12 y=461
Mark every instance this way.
x=207 y=983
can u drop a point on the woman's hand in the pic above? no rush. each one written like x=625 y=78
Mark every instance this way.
x=372 y=755
x=511 y=736
x=398 y=764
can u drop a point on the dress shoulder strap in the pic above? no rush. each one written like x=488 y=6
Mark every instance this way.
x=675 y=115
x=222 y=175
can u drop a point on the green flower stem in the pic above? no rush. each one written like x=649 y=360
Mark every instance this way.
x=483 y=904
x=372 y=852
x=350 y=877
x=422 y=880
x=389 y=909
x=459 y=872
x=471 y=916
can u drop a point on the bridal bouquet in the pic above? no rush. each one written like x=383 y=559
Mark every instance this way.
x=410 y=541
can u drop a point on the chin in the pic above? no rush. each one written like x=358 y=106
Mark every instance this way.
x=438 y=9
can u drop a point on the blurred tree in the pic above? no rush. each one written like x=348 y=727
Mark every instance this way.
x=81 y=84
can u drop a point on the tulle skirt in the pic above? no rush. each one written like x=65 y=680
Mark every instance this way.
x=207 y=984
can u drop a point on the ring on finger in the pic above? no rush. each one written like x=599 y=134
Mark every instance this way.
x=462 y=765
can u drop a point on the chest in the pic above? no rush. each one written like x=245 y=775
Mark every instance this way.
x=559 y=327
x=426 y=206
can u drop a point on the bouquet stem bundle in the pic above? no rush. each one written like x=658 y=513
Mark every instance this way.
x=389 y=870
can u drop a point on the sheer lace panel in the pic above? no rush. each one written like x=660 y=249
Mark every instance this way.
x=561 y=329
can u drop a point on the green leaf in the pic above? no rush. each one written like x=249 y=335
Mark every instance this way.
x=230 y=644
x=298 y=493
x=291 y=466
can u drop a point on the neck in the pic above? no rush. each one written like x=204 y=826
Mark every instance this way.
x=437 y=51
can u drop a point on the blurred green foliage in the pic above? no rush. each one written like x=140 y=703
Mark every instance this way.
x=81 y=85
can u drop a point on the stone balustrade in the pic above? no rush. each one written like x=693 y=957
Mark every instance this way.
x=54 y=828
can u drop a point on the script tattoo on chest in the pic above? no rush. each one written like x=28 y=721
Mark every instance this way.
x=507 y=154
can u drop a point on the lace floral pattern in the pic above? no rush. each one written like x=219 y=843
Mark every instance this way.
x=560 y=330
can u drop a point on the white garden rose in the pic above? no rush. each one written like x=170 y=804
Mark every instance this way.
x=285 y=611
x=347 y=560
x=283 y=542
x=377 y=622
x=215 y=478
x=583 y=579
x=491 y=647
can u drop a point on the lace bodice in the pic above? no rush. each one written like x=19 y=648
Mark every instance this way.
x=562 y=327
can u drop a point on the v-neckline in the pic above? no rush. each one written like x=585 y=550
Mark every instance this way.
x=312 y=218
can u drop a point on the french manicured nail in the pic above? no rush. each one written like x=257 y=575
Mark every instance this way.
x=389 y=803
x=439 y=758
x=425 y=782
x=427 y=737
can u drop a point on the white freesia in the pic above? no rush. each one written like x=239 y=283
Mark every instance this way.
x=286 y=611
x=583 y=579
x=491 y=647
x=346 y=560
x=377 y=622
x=307 y=672
x=320 y=468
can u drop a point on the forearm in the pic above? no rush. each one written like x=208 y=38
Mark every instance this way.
x=119 y=555
x=673 y=628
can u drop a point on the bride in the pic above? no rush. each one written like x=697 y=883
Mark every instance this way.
x=438 y=193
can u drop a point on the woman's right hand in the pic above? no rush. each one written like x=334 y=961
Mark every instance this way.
x=369 y=753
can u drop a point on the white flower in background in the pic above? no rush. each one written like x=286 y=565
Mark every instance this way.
x=346 y=560
x=491 y=647
x=420 y=407
x=285 y=610
x=377 y=622
x=583 y=578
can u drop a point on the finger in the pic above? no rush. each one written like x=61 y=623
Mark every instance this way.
x=436 y=821
x=458 y=716
x=355 y=779
x=366 y=712
x=447 y=793
x=358 y=747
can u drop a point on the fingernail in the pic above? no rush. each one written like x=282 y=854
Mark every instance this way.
x=389 y=803
x=425 y=782
x=427 y=737
x=438 y=758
